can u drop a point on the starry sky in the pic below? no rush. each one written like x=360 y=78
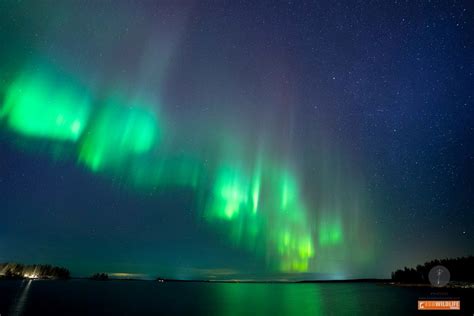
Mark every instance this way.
x=236 y=139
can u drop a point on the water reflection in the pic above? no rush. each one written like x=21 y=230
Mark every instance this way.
x=20 y=302
x=268 y=299
x=85 y=297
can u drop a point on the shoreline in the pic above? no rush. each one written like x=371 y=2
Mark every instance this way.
x=386 y=282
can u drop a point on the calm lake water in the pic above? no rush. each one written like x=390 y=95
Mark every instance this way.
x=85 y=297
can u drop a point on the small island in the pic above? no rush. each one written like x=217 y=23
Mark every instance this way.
x=100 y=277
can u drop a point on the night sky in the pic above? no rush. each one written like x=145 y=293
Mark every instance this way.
x=235 y=139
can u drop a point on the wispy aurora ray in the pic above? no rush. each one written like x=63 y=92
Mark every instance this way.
x=118 y=132
x=167 y=170
x=330 y=232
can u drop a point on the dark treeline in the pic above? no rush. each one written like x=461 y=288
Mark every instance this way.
x=100 y=276
x=461 y=269
x=40 y=271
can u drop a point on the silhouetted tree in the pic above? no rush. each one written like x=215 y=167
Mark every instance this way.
x=459 y=268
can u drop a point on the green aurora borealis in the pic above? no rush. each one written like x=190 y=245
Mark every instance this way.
x=253 y=197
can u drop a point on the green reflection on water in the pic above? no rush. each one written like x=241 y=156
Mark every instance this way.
x=267 y=299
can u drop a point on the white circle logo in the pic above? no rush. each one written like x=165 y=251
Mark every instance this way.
x=439 y=276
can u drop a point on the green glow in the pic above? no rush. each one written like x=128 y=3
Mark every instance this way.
x=236 y=199
x=256 y=182
x=44 y=105
x=117 y=133
x=330 y=233
x=288 y=191
x=255 y=196
x=167 y=171
x=231 y=194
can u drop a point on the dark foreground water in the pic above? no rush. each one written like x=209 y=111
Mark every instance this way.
x=85 y=297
